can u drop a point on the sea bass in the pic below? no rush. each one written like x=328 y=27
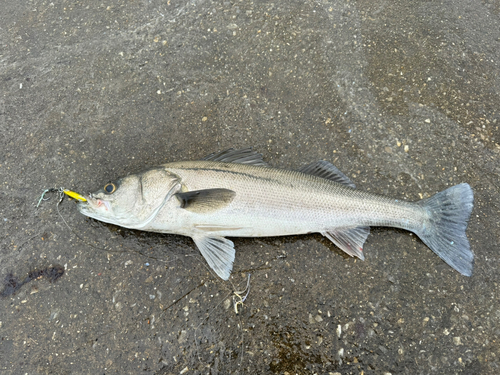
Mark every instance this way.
x=234 y=193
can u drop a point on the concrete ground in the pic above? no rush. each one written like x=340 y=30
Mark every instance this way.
x=402 y=96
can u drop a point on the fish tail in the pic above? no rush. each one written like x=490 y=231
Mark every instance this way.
x=444 y=230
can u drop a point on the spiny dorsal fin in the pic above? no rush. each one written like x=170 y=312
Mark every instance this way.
x=218 y=252
x=327 y=170
x=243 y=156
x=350 y=240
x=204 y=201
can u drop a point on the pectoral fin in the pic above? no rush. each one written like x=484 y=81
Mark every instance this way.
x=351 y=240
x=208 y=200
x=218 y=252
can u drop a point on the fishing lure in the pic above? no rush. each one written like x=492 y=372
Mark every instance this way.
x=61 y=191
x=74 y=195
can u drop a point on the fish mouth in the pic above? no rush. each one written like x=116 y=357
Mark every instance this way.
x=97 y=209
x=84 y=206
x=92 y=204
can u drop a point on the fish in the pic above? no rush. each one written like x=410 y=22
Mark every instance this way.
x=235 y=193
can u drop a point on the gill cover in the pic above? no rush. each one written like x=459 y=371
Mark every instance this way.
x=132 y=201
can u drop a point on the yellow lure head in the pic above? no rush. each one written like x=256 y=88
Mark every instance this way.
x=74 y=195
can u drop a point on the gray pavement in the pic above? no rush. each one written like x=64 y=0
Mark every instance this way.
x=403 y=97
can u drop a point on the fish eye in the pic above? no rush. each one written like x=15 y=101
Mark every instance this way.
x=110 y=188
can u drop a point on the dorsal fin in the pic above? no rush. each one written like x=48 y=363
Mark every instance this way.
x=243 y=156
x=327 y=170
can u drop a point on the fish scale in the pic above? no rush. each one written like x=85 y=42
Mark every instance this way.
x=315 y=203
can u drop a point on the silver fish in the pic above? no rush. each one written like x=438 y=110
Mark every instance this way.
x=234 y=193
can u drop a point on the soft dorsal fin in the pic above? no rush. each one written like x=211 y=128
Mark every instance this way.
x=204 y=201
x=327 y=170
x=218 y=252
x=243 y=156
x=351 y=240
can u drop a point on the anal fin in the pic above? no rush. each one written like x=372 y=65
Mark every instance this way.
x=351 y=240
x=218 y=252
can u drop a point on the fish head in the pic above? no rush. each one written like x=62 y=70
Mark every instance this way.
x=132 y=201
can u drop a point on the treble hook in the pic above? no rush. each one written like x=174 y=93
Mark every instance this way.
x=51 y=190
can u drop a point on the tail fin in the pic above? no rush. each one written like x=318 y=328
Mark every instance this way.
x=444 y=232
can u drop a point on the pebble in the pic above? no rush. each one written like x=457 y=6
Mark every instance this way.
x=182 y=337
x=340 y=353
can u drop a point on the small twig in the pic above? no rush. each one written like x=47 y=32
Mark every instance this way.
x=180 y=298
